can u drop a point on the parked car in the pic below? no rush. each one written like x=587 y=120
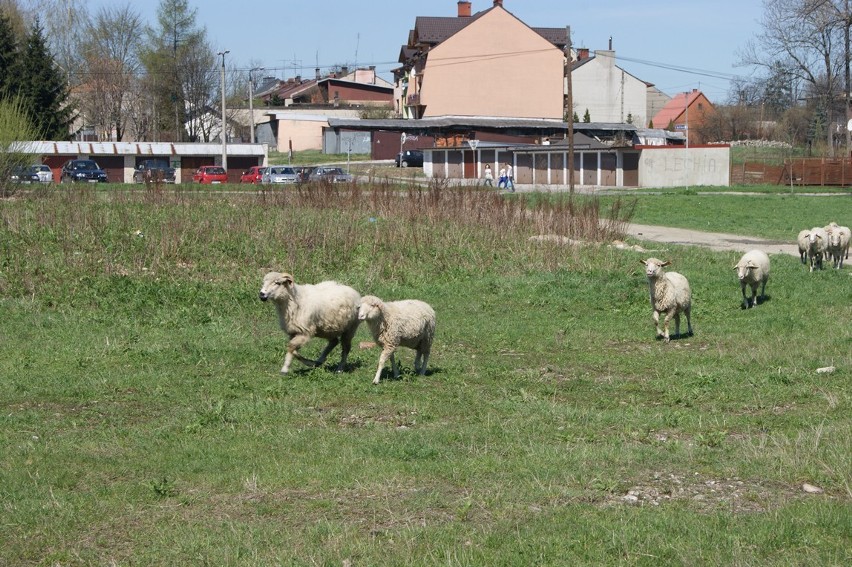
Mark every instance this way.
x=410 y=158
x=82 y=171
x=154 y=170
x=253 y=174
x=303 y=173
x=21 y=174
x=330 y=175
x=207 y=174
x=280 y=174
x=43 y=171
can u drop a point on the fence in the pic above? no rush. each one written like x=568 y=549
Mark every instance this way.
x=803 y=171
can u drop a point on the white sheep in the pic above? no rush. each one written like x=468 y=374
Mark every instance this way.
x=409 y=323
x=670 y=294
x=817 y=244
x=753 y=270
x=803 y=240
x=328 y=310
x=838 y=245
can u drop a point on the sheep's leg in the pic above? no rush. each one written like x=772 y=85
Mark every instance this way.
x=688 y=320
x=328 y=348
x=745 y=298
x=754 y=295
x=656 y=317
x=677 y=323
x=293 y=346
x=666 y=320
x=763 y=291
x=424 y=358
x=383 y=358
x=394 y=366
x=346 y=347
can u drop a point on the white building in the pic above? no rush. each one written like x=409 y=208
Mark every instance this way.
x=609 y=93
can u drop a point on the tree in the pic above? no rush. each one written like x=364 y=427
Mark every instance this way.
x=111 y=59
x=44 y=88
x=587 y=117
x=804 y=37
x=173 y=62
x=9 y=57
x=15 y=126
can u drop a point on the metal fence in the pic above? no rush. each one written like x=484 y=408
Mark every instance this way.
x=794 y=171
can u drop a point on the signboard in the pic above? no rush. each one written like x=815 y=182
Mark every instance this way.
x=680 y=126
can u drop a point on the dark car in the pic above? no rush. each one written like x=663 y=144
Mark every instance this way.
x=153 y=170
x=82 y=171
x=329 y=175
x=25 y=175
x=410 y=158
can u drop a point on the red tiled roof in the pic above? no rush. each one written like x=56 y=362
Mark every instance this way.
x=674 y=108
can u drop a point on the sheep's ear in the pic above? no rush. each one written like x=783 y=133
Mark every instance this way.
x=666 y=263
x=643 y=262
x=751 y=265
x=737 y=266
x=284 y=280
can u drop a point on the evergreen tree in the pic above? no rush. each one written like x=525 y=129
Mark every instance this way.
x=8 y=58
x=587 y=117
x=576 y=118
x=44 y=89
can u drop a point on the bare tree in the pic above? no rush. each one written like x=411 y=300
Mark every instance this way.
x=806 y=37
x=111 y=56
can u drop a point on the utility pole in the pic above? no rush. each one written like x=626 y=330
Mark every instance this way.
x=569 y=103
x=224 y=124
x=251 y=101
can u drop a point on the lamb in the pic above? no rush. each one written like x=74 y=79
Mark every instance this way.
x=838 y=245
x=803 y=241
x=409 y=323
x=753 y=270
x=328 y=310
x=817 y=244
x=670 y=294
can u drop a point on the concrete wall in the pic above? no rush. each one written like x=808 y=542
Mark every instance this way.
x=679 y=167
x=609 y=93
x=496 y=66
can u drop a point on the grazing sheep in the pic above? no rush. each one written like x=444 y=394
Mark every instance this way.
x=803 y=240
x=817 y=244
x=328 y=310
x=838 y=245
x=753 y=270
x=670 y=294
x=409 y=323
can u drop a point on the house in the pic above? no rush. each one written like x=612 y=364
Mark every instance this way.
x=361 y=87
x=485 y=64
x=686 y=112
x=606 y=91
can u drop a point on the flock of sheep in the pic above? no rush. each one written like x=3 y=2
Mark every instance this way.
x=333 y=311
x=830 y=242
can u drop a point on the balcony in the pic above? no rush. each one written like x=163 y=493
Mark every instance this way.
x=413 y=99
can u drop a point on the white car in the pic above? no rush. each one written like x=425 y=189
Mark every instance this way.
x=45 y=174
x=279 y=174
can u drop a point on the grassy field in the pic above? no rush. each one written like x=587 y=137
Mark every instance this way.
x=144 y=421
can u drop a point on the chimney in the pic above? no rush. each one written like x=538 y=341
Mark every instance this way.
x=464 y=9
x=317 y=70
x=344 y=70
x=498 y=3
x=610 y=43
x=582 y=53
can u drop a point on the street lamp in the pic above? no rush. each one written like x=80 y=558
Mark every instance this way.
x=224 y=135
x=251 y=101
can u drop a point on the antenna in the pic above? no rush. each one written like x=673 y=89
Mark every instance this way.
x=357 y=44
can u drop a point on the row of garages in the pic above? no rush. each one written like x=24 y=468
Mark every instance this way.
x=120 y=159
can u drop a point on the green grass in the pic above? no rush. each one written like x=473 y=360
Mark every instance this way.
x=313 y=157
x=143 y=420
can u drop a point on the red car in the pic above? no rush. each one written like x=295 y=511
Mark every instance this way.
x=207 y=174
x=252 y=175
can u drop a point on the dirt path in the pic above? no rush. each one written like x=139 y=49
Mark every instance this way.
x=713 y=240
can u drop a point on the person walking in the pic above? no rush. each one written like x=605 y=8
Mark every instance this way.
x=501 y=181
x=489 y=177
x=510 y=178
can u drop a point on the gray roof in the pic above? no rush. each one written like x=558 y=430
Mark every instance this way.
x=479 y=122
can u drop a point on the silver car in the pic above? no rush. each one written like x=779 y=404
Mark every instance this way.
x=330 y=175
x=279 y=174
x=45 y=174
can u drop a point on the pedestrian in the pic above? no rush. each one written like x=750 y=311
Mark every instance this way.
x=502 y=180
x=489 y=177
x=510 y=178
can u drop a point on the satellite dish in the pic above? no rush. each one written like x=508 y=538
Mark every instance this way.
x=849 y=125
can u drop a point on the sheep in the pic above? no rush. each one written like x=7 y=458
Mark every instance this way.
x=803 y=241
x=328 y=310
x=670 y=294
x=409 y=323
x=838 y=245
x=817 y=244
x=753 y=270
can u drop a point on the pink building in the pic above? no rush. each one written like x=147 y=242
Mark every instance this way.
x=485 y=64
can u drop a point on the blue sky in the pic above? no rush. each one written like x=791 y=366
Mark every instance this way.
x=677 y=45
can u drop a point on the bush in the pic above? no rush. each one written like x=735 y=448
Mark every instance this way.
x=15 y=126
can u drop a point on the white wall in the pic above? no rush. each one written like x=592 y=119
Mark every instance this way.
x=679 y=167
x=609 y=93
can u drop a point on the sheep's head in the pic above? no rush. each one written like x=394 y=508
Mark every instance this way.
x=814 y=236
x=275 y=286
x=834 y=238
x=370 y=307
x=653 y=267
x=743 y=269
